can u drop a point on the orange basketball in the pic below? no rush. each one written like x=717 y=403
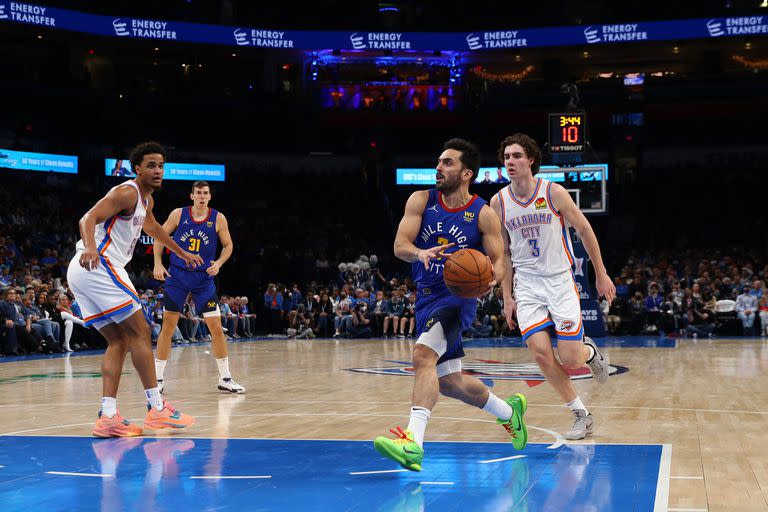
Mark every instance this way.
x=467 y=273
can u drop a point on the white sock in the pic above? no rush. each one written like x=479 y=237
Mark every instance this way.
x=498 y=407
x=576 y=404
x=160 y=367
x=108 y=406
x=591 y=352
x=154 y=399
x=418 y=423
x=223 y=365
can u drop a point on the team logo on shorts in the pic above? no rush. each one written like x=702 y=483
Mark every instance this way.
x=489 y=371
x=211 y=304
x=567 y=325
x=540 y=203
x=469 y=216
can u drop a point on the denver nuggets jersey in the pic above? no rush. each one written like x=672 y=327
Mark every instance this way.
x=117 y=236
x=196 y=237
x=441 y=225
x=538 y=237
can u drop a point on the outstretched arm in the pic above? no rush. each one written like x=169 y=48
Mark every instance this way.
x=562 y=201
x=169 y=226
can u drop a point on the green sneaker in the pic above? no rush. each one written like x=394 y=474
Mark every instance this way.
x=515 y=426
x=402 y=449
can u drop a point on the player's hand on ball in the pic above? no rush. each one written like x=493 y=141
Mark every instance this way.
x=160 y=273
x=192 y=260
x=427 y=255
x=213 y=269
x=89 y=260
x=510 y=310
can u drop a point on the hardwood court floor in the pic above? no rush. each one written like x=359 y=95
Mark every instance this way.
x=707 y=399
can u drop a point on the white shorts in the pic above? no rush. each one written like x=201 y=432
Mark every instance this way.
x=548 y=301
x=105 y=295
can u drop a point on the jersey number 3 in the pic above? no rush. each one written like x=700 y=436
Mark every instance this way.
x=534 y=243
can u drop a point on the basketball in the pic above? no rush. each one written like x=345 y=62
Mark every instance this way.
x=467 y=273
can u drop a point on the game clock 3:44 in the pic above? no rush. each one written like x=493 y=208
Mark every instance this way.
x=567 y=132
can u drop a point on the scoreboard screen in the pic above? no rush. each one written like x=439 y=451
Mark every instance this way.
x=567 y=132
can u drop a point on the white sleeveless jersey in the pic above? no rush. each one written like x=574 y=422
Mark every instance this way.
x=117 y=236
x=538 y=237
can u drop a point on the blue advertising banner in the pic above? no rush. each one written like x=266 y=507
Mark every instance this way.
x=173 y=171
x=497 y=175
x=26 y=161
x=162 y=30
x=591 y=315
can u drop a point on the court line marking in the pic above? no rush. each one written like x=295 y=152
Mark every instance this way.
x=559 y=440
x=436 y=483
x=224 y=477
x=502 y=459
x=378 y=472
x=661 y=503
x=67 y=473
x=687 y=477
x=456 y=403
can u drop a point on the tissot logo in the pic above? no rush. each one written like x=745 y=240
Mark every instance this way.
x=121 y=27
x=493 y=370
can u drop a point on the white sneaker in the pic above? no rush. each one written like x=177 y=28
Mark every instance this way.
x=582 y=426
x=599 y=365
x=230 y=385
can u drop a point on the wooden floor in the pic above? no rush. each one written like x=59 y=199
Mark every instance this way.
x=707 y=399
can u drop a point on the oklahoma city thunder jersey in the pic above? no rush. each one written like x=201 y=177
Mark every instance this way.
x=196 y=237
x=538 y=238
x=117 y=236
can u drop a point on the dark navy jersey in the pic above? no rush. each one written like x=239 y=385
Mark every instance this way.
x=441 y=225
x=196 y=237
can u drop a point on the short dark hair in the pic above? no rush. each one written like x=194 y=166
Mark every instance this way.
x=200 y=184
x=143 y=149
x=470 y=155
x=529 y=145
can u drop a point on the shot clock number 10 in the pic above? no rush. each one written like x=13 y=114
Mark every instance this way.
x=567 y=132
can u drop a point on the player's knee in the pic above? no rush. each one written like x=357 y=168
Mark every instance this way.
x=571 y=360
x=423 y=357
x=449 y=387
x=543 y=357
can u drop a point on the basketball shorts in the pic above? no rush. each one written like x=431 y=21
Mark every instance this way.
x=105 y=295
x=548 y=302
x=439 y=322
x=202 y=287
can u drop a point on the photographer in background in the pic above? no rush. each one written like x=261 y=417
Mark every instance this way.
x=361 y=324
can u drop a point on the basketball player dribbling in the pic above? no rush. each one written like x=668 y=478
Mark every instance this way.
x=108 y=300
x=434 y=221
x=198 y=228
x=541 y=288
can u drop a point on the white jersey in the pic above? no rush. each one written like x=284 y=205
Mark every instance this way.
x=538 y=237
x=117 y=236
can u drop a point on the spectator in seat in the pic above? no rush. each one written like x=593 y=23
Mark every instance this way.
x=343 y=319
x=494 y=308
x=653 y=307
x=9 y=343
x=69 y=319
x=746 y=309
x=324 y=315
x=637 y=313
x=700 y=320
x=763 y=310
x=408 y=319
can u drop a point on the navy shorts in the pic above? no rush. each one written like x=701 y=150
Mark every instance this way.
x=199 y=284
x=454 y=314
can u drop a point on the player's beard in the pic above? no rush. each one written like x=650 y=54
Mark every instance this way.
x=448 y=185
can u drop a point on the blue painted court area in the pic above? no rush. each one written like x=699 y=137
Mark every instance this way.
x=171 y=474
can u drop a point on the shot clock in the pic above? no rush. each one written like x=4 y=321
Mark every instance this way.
x=567 y=132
